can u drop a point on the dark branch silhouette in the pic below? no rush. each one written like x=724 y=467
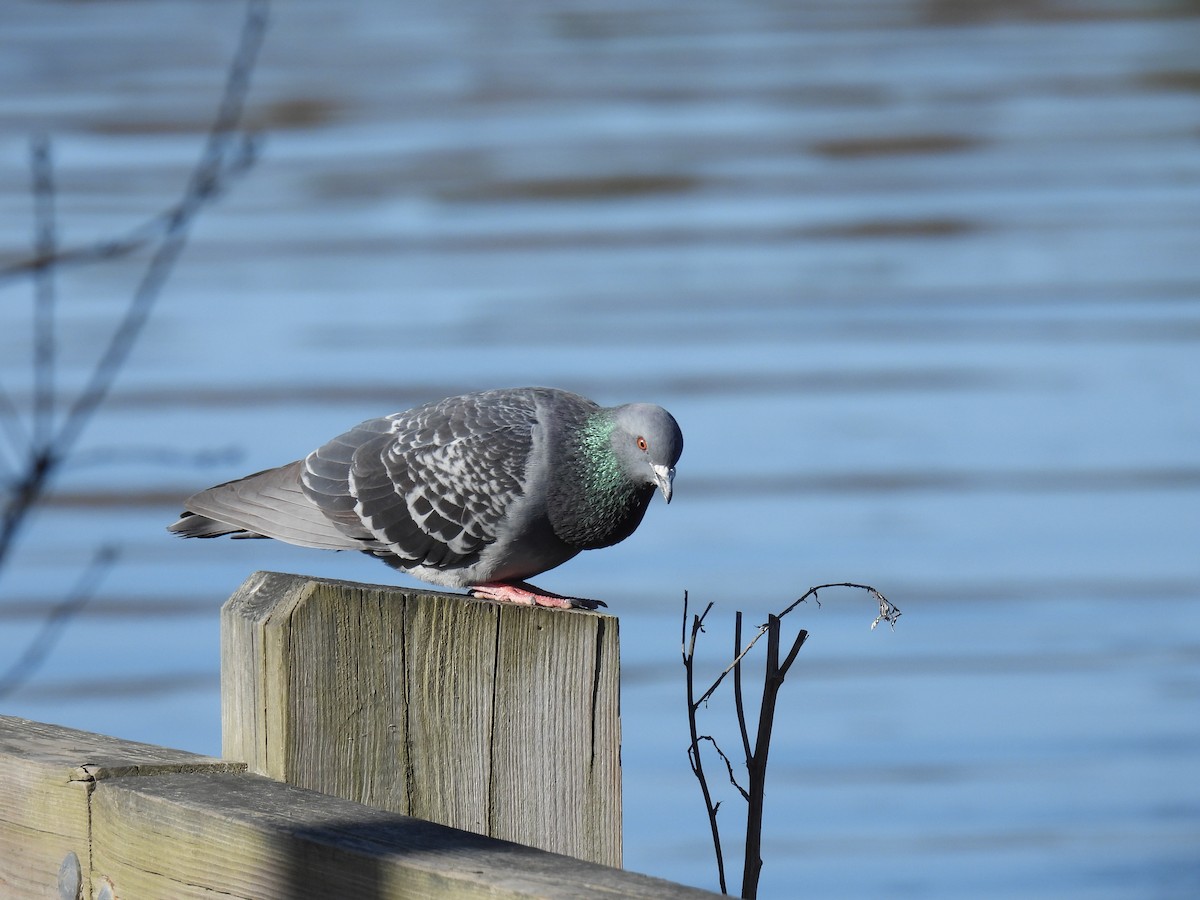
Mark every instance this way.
x=694 y=757
x=43 y=642
x=756 y=751
x=42 y=446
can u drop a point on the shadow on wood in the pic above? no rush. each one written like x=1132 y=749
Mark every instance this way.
x=150 y=822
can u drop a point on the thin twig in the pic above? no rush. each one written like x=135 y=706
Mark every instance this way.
x=739 y=706
x=24 y=493
x=41 y=454
x=36 y=651
x=728 y=765
x=233 y=165
x=712 y=688
x=694 y=758
x=203 y=187
x=226 y=153
x=887 y=612
x=45 y=241
x=756 y=756
x=10 y=422
x=801 y=637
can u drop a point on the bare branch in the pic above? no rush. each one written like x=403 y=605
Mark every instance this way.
x=756 y=754
x=712 y=688
x=887 y=612
x=739 y=705
x=756 y=763
x=203 y=187
x=10 y=422
x=25 y=491
x=684 y=648
x=43 y=450
x=801 y=637
x=225 y=151
x=235 y=163
x=45 y=241
x=728 y=765
x=697 y=764
x=689 y=644
x=683 y=630
x=38 y=649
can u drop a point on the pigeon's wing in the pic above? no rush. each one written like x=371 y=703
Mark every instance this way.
x=431 y=485
x=325 y=477
x=266 y=504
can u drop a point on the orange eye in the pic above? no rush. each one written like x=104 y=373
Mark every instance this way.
x=642 y=445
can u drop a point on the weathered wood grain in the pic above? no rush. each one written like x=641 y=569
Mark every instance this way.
x=557 y=689
x=152 y=822
x=245 y=836
x=500 y=720
x=46 y=774
x=450 y=732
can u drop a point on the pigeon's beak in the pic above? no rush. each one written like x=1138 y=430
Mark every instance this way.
x=663 y=476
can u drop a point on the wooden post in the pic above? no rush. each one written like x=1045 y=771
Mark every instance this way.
x=496 y=719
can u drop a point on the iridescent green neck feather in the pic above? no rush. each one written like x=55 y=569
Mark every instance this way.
x=594 y=502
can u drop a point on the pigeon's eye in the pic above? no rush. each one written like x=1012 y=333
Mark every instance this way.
x=642 y=445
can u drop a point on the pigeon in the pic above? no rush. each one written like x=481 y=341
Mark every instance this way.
x=480 y=491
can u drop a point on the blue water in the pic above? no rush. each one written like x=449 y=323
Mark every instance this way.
x=919 y=283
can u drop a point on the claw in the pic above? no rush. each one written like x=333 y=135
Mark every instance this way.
x=524 y=594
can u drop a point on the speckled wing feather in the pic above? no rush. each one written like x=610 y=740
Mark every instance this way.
x=434 y=486
x=325 y=475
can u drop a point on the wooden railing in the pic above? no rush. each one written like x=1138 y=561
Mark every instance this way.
x=377 y=743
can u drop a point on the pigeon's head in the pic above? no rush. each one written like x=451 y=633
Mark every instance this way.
x=647 y=442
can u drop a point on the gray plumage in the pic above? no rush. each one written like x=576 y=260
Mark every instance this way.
x=482 y=490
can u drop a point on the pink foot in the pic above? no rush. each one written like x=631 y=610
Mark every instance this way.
x=525 y=594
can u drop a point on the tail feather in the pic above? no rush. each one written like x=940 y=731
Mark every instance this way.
x=270 y=504
x=192 y=525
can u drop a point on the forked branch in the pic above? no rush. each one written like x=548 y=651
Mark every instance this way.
x=755 y=752
x=39 y=440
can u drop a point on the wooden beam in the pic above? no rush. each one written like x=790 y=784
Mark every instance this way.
x=151 y=822
x=46 y=775
x=496 y=719
x=246 y=836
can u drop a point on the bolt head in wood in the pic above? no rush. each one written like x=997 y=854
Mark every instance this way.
x=70 y=877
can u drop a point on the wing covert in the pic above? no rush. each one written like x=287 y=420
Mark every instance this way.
x=435 y=487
